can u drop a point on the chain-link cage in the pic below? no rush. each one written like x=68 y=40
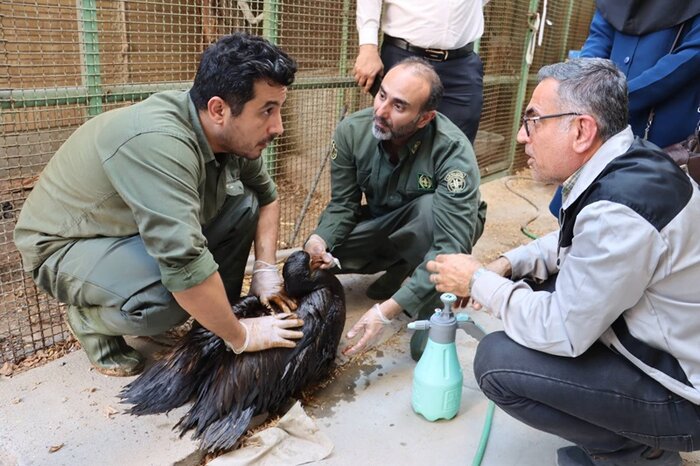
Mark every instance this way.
x=66 y=61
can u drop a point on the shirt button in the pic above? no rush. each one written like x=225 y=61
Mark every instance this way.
x=626 y=60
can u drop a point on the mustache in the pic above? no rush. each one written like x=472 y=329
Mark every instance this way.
x=267 y=141
x=382 y=121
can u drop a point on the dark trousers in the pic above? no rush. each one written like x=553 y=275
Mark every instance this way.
x=463 y=80
x=598 y=400
x=399 y=239
x=119 y=277
x=404 y=235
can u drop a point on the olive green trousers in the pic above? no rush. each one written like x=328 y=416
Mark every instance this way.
x=119 y=277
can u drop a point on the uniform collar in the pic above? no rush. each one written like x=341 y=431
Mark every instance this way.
x=584 y=176
x=415 y=142
x=207 y=154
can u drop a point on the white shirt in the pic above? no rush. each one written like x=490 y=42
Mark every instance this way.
x=440 y=24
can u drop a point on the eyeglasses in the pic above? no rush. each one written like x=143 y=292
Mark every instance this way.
x=525 y=119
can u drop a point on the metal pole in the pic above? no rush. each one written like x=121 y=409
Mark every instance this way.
x=271 y=33
x=90 y=48
x=524 y=78
x=565 y=33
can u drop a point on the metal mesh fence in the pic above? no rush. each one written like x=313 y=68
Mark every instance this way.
x=64 y=61
x=565 y=26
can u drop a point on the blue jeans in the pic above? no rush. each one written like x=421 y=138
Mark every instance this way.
x=598 y=400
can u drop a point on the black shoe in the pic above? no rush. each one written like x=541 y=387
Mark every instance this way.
x=418 y=342
x=573 y=456
x=639 y=456
x=385 y=286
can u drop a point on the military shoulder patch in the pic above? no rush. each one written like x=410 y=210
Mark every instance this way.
x=456 y=181
x=424 y=181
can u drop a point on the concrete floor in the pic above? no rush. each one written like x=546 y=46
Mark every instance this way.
x=65 y=413
x=366 y=412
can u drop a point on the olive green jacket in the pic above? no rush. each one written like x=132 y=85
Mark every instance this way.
x=438 y=159
x=146 y=169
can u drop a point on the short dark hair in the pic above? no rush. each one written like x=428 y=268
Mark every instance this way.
x=422 y=67
x=230 y=67
x=592 y=86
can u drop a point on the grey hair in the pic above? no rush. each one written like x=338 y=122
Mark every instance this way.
x=421 y=67
x=592 y=86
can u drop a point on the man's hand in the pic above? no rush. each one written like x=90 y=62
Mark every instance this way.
x=320 y=258
x=368 y=65
x=452 y=273
x=268 y=286
x=269 y=332
x=371 y=327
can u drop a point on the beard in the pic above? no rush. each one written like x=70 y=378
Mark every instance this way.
x=381 y=135
x=393 y=133
x=255 y=151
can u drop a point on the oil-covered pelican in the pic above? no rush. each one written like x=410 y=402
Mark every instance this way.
x=229 y=389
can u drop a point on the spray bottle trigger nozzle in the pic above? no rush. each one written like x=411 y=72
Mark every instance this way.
x=419 y=325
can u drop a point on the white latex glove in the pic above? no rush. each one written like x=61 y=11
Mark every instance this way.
x=267 y=285
x=316 y=247
x=269 y=332
x=371 y=326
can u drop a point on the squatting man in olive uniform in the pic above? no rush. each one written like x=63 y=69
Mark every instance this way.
x=146 y=214
x=419 y=177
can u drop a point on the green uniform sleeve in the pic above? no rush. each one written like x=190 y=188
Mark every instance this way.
x=160 y=188
x=456 y=204
x=343 y=211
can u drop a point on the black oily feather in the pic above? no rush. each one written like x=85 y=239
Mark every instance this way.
x=158 y=390
x=227 y=390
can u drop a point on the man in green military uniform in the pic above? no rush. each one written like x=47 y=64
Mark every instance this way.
x=146 y=214
x=419 y=177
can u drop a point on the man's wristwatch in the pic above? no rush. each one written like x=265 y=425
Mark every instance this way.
x=477 y=273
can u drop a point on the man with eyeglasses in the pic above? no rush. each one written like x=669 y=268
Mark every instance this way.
x=602 y=317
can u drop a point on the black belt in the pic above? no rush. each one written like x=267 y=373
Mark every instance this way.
x=430 y=54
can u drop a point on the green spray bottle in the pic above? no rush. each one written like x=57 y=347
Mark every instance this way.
x=437 y=378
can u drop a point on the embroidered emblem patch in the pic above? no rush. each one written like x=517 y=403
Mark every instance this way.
x=424 y=181
x=334 y=150
x=455 y=181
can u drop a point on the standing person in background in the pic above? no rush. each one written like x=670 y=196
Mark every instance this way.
x=442 y=32
x=656 y=44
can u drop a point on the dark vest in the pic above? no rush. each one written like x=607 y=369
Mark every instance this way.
x=647 y=181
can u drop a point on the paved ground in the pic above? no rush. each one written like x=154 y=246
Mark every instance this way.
x=64 y=413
